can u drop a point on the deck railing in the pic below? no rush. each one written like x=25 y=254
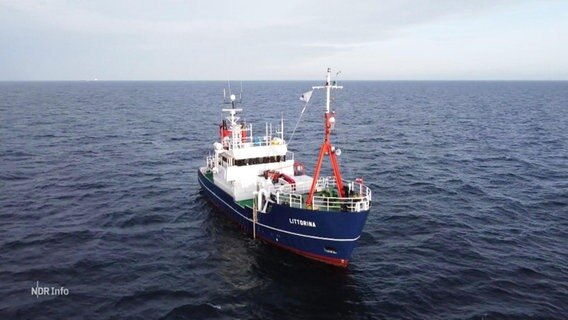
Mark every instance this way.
x=358 y=196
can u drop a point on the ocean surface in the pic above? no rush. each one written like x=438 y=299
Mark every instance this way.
x=99 y=195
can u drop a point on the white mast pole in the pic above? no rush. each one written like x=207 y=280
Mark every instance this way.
x=328 y=86
x=328 y=89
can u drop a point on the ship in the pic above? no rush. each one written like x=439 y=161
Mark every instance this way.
x=256 y=182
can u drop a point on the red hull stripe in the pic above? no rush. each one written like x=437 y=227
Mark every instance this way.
x=333 y=261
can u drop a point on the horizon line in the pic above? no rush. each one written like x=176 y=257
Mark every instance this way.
x=296 y=80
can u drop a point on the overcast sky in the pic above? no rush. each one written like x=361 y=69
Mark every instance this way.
x=281 y=40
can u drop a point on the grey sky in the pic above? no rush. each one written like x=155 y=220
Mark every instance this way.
x=204 y=40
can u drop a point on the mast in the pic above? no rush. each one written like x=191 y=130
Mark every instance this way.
x=236 y=132
x=326 y=147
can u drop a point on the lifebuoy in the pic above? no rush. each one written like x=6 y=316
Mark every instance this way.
x=298 y=168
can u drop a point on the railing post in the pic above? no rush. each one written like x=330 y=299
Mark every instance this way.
x=254 y=215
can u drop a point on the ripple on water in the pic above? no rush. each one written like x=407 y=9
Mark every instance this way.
x=98 y=193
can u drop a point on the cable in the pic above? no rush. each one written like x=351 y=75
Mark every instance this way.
x=298 y=122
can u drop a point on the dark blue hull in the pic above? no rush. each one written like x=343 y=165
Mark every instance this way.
x=325 y=236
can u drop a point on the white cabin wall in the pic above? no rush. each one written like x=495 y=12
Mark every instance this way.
x=249 y=172
x=245 y=177
x=259 y=151
x=221 y=183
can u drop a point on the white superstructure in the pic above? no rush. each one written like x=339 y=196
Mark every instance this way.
x=240 y=157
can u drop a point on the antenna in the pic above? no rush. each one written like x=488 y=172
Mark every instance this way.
x=328 y=86
x=337 y=76
x=282 y=126
x=232 y=98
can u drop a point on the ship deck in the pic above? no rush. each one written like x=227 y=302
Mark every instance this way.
x=324 y=193
x=245 y=203
x=208 y=175
x=327 y=192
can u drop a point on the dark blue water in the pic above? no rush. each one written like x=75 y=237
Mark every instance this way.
x=99 y=194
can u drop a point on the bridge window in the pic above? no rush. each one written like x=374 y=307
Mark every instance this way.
x=260 y=160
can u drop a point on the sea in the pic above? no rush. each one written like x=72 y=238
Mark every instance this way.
x=100 y=204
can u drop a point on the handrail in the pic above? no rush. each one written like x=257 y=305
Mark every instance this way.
x=359 y=198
